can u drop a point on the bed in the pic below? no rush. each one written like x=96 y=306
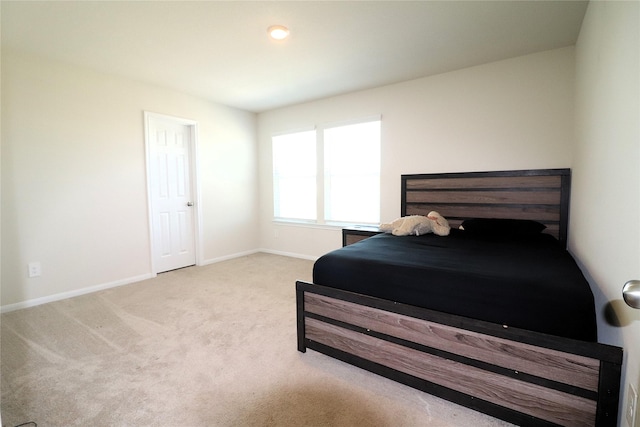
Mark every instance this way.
x=516 y=341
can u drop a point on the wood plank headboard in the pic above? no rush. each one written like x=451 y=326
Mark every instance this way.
x=538 y=194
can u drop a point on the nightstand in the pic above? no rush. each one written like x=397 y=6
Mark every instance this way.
x=356 y=233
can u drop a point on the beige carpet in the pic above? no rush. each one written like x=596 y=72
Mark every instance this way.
x=202 y=346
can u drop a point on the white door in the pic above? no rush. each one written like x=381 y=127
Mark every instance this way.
x=171 y=195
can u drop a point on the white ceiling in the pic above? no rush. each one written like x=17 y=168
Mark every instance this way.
x=220 y=50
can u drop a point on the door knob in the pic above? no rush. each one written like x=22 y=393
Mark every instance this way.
x=189 y=203
x=631 y=293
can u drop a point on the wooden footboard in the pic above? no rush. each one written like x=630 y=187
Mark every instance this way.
x=523 y=377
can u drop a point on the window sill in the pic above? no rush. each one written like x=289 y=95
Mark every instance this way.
x=328 y=226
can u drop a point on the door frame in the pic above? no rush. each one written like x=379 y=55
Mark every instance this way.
x=193 y=175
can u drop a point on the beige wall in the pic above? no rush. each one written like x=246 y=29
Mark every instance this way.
x=74 y=179
x=605 y=208
x=512 y=114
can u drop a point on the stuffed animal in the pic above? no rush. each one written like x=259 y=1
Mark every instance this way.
x=418 y=225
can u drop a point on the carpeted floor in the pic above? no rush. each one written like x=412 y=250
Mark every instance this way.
x=201 y=346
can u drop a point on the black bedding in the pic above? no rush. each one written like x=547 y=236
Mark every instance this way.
x=529 y=282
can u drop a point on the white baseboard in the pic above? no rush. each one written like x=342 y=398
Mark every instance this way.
x=228 y=257
x=289 y=254
x=64 y=295
x=255 y=251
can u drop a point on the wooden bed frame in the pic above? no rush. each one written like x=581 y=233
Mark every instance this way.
x=524 y=377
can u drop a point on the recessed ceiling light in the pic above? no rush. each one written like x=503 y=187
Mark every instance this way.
x=278 y=32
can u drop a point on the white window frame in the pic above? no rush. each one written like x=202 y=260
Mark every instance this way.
x=284 y=218
x=320 y=220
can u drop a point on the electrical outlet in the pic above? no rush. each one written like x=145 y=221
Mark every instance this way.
x=35 y=269
x=632 y=401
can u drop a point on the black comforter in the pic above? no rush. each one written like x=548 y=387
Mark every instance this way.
x=529 y=282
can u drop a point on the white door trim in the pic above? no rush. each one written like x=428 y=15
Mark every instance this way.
x=195 y=187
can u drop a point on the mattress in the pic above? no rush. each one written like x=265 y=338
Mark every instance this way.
x=530 y=282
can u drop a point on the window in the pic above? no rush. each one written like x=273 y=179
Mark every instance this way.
x=352 y=173
x=347 y=190
x=294 y=176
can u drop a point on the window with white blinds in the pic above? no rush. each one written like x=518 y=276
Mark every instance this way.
x=294 y=176
x=352 y=173
x=347 y=191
